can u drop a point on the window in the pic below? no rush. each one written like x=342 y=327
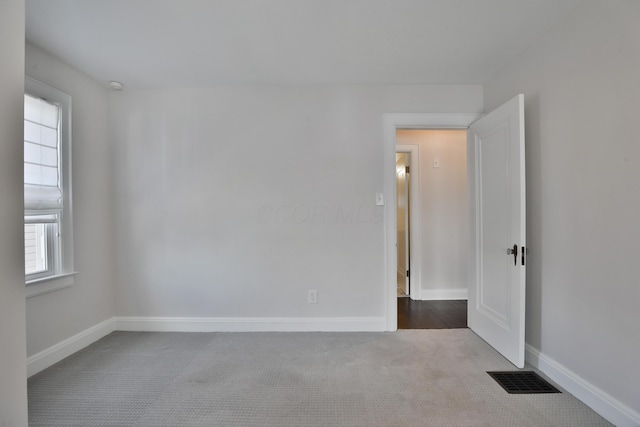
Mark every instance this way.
x=47 y=188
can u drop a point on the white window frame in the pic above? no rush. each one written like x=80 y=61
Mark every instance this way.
x=61 y=273
x=51 y=244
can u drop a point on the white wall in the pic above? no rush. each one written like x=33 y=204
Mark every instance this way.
x=445 y=220
x=56 y=316
x=234 y=201
x=13 y=371
x=582 y=100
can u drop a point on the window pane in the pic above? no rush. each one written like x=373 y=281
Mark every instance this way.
x=32 y=109
x=31 y=132
x=39 y=155
x=45 y=176
x=49 y=137
x=49 y=114
x=47 y=191
x=35 y=248
x=40 y=111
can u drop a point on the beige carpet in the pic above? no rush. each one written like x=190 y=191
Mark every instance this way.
x=406 y=378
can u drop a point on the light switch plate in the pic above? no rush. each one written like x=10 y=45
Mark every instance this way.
x=379 y=199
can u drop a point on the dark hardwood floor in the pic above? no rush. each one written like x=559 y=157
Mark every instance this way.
x=431 y=314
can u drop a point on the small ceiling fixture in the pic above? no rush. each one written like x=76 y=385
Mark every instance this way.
x=116 y=85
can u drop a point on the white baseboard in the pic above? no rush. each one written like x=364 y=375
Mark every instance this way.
x=604 y=404
x=443 y=294
x=66 y=348
x=250 y=324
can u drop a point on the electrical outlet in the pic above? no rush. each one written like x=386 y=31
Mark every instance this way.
x=312 y=298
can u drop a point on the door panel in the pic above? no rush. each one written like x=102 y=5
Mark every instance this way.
x=497 y=204
x=402 y=203
x=407 y=220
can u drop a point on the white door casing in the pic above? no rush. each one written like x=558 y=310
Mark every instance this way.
x=496 y=188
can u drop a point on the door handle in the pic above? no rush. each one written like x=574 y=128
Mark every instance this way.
x=513 y=251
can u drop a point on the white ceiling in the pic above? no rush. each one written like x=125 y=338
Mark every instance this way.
x=164 y=43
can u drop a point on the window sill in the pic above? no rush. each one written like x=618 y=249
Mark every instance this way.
x=49 y=284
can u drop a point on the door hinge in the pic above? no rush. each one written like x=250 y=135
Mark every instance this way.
x=407 y=169
x=408 y=273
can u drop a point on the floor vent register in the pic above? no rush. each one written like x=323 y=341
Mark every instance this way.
x=522 y=382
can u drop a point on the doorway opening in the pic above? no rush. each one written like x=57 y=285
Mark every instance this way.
x=418 y=289
x=432 y=228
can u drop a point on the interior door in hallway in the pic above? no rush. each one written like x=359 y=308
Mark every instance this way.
x=496 y=173
x=403 y=161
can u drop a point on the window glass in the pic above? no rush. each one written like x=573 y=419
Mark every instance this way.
x=47 y=176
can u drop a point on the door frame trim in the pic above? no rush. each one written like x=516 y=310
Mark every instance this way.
x=393 y=121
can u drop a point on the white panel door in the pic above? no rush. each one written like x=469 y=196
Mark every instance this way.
x=402 y=203
x=496 y=305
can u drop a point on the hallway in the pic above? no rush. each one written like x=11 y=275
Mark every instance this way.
x=450 y=314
